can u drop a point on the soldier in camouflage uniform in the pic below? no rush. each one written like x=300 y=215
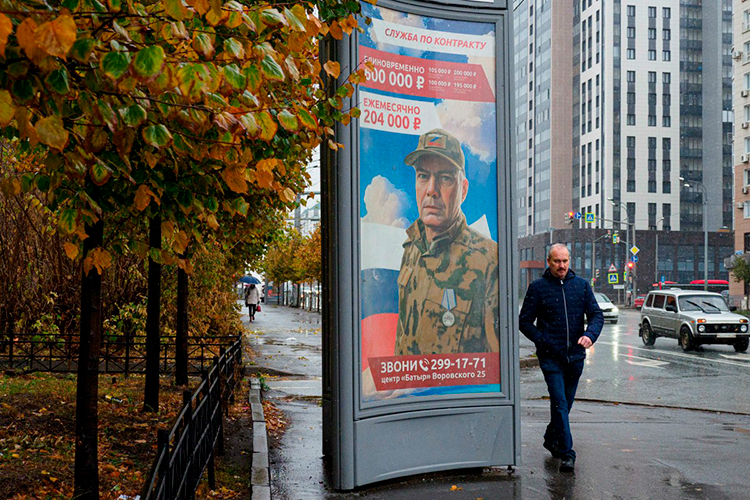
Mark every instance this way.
x=448 y=283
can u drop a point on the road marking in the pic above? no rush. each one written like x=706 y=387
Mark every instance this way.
x=739 y=357
x=690 y=357
x=651 y=363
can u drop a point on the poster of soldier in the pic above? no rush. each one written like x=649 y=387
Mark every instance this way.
x=428 y=204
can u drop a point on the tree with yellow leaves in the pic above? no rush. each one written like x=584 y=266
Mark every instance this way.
x=182 y=110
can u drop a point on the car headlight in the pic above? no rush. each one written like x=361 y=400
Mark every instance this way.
x=743 y=328
x=701 y=328
x=615 y=310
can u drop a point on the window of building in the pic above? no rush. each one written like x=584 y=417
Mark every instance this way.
x=666 y=99
x=666 y=77
x=747 y=177
x=666 y=34
x=666 y=187
x=631 y=54
x=666 y=55
x=652 y=120
x=747 y=145
x=631 y=119
x=652 y=77
x=651 y=145
x=666 y=121
x=652 y=12
x=652 y=33
x=652 y=214
x=631 y=10
x=652 y=55
x=631 y=142
x=631 y=76
x=631 y=32
x=666 y=143
x=666 y=12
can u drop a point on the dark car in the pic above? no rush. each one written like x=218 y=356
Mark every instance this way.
x=638 y=302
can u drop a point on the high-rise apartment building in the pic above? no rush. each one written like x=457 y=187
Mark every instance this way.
x=544 y=112
x=623 y=109
x=741 y=94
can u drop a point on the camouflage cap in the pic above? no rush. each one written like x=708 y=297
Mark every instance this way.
x=438 y=142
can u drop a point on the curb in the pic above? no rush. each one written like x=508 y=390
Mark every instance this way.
x=528 y=362
x=260 y=477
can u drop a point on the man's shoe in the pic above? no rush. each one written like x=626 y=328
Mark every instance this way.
x=568 y=464
x=552 y=447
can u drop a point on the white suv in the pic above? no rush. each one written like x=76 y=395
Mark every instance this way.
x=692 y=317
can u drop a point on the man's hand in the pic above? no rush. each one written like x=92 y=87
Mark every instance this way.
x=585 y=342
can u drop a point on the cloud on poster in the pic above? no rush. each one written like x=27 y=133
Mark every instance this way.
x=403 y=19
x=465 y=120
x=385 y=203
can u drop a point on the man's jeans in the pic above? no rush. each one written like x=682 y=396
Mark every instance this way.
x=562 y=382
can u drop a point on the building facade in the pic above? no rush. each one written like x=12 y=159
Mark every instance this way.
x=651 y=119
x=741 y=95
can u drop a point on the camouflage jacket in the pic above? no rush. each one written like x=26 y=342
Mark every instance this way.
x=458 y=267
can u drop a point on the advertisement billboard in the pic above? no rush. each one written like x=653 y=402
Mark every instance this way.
x=428 y=206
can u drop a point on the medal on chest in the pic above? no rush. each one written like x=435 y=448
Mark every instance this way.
x=449 y=302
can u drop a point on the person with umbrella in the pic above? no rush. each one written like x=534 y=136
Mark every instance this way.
x=252 y=297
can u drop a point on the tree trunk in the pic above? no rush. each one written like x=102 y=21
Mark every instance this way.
x=153 y=313
x=86 y=473
x=181 y=341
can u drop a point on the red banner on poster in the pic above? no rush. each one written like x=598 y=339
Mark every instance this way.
x=426 y=77
x=434 y=370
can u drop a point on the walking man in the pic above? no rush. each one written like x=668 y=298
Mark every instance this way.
x=557 y=302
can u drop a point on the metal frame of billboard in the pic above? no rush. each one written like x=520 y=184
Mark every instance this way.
x=367 y=442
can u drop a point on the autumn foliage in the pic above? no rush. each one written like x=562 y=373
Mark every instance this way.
x=198 y=114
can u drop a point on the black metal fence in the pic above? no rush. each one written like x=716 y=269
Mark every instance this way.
x=32 y=352
x=185 y=452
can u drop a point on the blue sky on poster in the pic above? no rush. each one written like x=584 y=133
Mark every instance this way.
x=388 y=194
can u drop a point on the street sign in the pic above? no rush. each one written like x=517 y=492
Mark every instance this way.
x=634 y=258
x=634 y=250
x=577 y=215
x=619 y=287
x=590 y=217
x=663 y=279
x=612 y=278
x=615 y=237
x=612 y=268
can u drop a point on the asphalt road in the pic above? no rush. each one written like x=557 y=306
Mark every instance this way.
x=674 y=440
x=620 y=368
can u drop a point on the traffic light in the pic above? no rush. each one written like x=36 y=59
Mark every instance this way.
x=631 y=265
x=597 y=273
x=570 y=217
x=615 y=237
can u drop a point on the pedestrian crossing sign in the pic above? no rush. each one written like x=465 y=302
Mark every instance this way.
x=612 y=278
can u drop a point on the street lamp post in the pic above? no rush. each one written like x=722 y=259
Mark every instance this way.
x=627 y=242
x=705 y=229
x=656 y=250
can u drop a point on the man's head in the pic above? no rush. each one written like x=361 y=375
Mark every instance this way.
x=441 y=183
x=558 y=260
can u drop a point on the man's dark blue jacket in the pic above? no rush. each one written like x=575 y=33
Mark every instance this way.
x=558 y=307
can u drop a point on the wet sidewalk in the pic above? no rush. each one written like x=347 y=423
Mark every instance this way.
x=624 y=451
